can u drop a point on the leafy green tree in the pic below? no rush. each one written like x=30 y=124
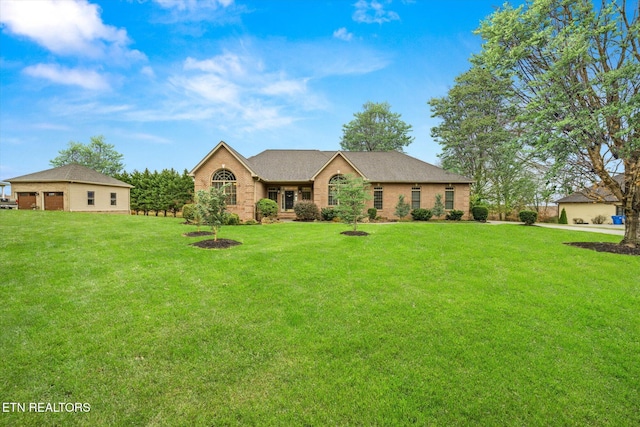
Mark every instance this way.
x=402 y=208
x=352 y=195
x=97 y=155
x=575 y=68
x=480 y=138
x=376 y=129
x=211 y=205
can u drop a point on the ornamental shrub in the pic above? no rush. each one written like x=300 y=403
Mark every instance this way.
x=267 y=208
x=232 y=219
x=600 y=219
x=454 y=215
x=421 y=214
x=480 y=213
x=306 y=211
x=528 y=217
x=402 y=208
x=372 y=213
x=187 y=212
x=563 y=217
x=328 y=214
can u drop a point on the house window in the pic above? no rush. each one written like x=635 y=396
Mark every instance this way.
x=619 y=210
x=91 y=198
x=305 y=193
x=272 y=193
x=415 y=197
x=333 y=184
x=113 y=199
x=222 y=177
x=377 y=197
x=448 y=198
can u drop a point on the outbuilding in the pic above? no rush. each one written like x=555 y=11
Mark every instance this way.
x=72 y=188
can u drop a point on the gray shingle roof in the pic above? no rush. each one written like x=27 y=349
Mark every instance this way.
x=376 y=166
x=598 y=194
x=304 y=165
x=289 y=165
x=70 y=173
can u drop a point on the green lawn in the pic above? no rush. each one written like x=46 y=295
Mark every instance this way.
x=417 y=323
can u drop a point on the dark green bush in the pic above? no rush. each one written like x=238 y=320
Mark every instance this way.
x=187 y=212
x=267 y=208
x=328 y=214
x=421 y=214
x=306 y=211
x=454 y=215
x=232 y=219
x=563 y=217
x=528 y=217
x=372 y=213
x=480 y=213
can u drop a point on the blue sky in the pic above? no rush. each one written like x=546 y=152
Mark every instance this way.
x=166 y=80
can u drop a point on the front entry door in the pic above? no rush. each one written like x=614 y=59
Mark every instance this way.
x=288 y=200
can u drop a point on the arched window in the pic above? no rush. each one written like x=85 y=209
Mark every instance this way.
x=333 y=183
x=222 y=177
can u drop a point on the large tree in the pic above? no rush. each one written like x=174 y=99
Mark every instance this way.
x=376 y=129
x=480 y=138
x=575 y=66
x=97 y=155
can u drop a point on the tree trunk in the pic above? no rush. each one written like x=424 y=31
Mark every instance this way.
x=631 y=228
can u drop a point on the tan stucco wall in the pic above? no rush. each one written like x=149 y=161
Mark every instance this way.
x=78 y=198
x=75 y=196
x=587 y=211
x=245 y=184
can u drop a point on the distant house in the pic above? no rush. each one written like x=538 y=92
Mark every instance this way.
x=583 y=206
x=72 y=188
x=291 y=176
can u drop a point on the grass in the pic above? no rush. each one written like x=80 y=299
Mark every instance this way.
x=417 y=323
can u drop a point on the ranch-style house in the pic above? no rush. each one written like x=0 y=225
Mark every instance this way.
x=290 y=176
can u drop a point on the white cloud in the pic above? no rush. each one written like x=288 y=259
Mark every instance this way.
x=373 y=12
x=87 y=79
x=342 y=34
x=193 y=4
x=67 y=27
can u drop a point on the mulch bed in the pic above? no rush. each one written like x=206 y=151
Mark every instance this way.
x=216 y=244
x=198 y=233
x=613 y=248
x=355 y=233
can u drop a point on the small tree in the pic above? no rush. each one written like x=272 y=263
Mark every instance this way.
x=352 y=195
x=402 y=208
x=212 y=205
x=438 y=208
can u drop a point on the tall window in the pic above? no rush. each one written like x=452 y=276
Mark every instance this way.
x=448 y=198
x=377 y=197
x=91 y=198
x=415 y=197
x=114 y=200
x=333 y=183
x=222 y=177
x=272 y=193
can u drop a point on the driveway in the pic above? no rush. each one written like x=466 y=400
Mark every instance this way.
x=617 y=230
